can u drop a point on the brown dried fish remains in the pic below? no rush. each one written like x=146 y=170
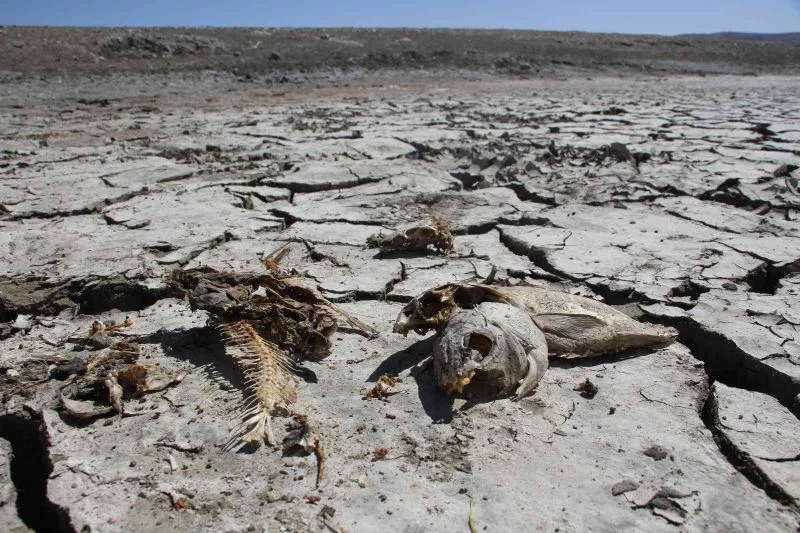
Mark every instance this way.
x=267 y=320
x=416 y=236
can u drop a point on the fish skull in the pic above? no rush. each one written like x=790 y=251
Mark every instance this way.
x=433 y=308
x=492 y=350
x=416 y=237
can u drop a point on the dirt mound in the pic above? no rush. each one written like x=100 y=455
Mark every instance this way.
x=144 y=45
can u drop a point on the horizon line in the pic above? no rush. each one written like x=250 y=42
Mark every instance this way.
x=399 y=28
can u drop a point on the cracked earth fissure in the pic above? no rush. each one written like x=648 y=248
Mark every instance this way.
x=655 y=192
x=30 y=468
x=88 y=210
x=741 y=460
x=726 y=362
x=723 y=361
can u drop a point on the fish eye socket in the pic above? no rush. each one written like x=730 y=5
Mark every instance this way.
x=429 y=304
x=480 y=343
x=468 y=297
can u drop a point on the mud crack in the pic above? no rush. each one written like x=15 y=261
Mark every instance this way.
x=727 y=363
x=739 y=459
x=30 y=468
x=91 y=295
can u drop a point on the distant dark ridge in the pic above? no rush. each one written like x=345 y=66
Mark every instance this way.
x=282 y=55
x=785 y=38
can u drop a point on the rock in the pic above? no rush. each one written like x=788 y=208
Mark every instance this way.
x=624 y=486
x=587 y=389
x=656 y=452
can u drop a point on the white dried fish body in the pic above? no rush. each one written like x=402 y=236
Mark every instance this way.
x=493 y=350
x=577 y=325
x=571 y=324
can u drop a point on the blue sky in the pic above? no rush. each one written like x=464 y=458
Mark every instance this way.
x=623 y=16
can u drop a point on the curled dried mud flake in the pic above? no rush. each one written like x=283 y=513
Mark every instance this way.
x=85 y=410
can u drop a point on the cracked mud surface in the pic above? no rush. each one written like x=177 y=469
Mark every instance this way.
x=688 y=220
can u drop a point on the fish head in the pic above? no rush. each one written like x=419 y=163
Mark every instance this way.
x=475 y=357
x=430 y=310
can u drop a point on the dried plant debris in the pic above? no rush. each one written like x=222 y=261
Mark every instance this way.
x=270 y=380
x=382 y=388
x=416 y=236
x=272 y=261
x=97 y=386
x=379 y=454
x=306 y=439
x=572 y=325
x=493 y=350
